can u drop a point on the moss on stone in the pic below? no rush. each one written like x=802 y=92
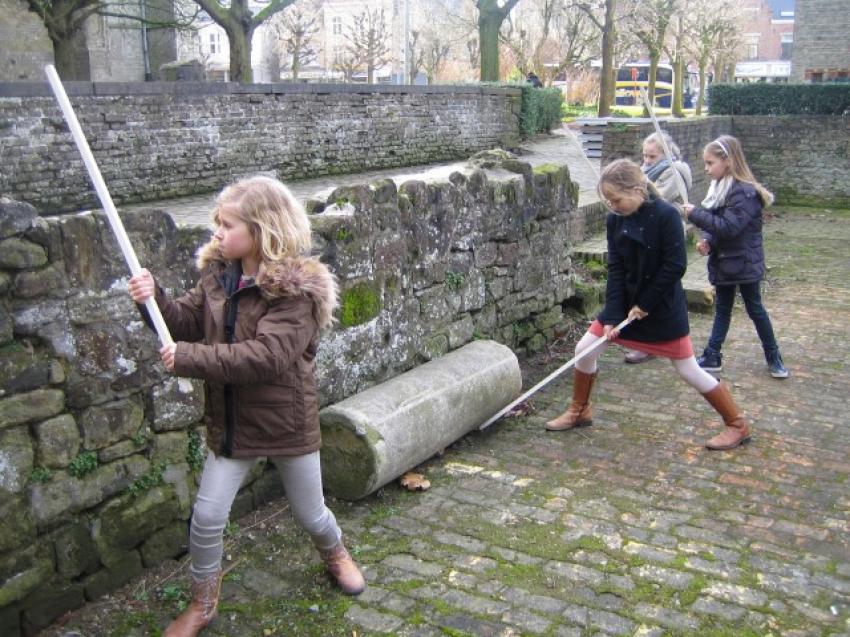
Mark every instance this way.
x=359 y=304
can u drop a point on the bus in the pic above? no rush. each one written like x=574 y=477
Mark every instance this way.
x=634 y=76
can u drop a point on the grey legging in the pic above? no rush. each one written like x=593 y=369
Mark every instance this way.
x=222 y=477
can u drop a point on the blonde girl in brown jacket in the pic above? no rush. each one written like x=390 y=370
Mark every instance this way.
x=250 y=329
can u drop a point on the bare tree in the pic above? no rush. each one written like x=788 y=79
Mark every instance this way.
x=239 y=23
x=368 y=41
x=417 y=56
x=64 y=20
x=603 y=13
x=548 y=36
x=294 y=30
x=652 y=20
x=347 y=64
x=436 y=56
x=715 y=33
x=490 y=18
x=473 y=53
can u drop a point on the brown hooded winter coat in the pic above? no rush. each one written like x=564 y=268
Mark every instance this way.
x=261 y=388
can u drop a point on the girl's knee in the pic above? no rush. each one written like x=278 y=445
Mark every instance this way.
x=208 y=515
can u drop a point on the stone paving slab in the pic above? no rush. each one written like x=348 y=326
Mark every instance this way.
x=629 y=527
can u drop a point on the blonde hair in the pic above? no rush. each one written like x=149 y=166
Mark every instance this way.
x=655 y=138
x=624 y=175
x=729 y=148
x=277 y=221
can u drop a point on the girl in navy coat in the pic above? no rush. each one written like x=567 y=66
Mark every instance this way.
x=731 y=220
x=646 y=261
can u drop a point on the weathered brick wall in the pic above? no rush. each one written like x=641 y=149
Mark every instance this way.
x=160 y=140
x=802 y=159
x=821 y=38
x=97 y=442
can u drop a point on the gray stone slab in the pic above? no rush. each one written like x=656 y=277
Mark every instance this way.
x=373 y=437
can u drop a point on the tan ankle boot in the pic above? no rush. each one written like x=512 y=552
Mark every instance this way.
x=736 y=431
x=343 y=569
x=579 y=413
x=202 y=609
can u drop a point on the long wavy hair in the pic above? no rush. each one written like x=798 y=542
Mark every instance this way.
x=277 y=221
x=729 y=148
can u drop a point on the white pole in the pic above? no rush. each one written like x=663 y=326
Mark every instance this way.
x=551 y=376
x=105 y=198
x=680 y=183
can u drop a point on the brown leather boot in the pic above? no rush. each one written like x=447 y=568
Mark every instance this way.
x=201 y=610
x=343 y=569
x=579 y=413
x=736 y=431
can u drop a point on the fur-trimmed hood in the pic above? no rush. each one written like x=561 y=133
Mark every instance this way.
x=291 y=276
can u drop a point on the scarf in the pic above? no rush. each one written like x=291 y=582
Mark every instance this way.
x=717 y=191
x=654 y=172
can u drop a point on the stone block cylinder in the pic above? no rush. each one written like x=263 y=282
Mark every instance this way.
x=373 y=437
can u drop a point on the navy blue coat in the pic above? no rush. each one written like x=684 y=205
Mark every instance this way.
x=734 y=233
x=646 y=260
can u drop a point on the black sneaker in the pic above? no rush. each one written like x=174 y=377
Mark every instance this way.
x=777 y=369
x=710 y=361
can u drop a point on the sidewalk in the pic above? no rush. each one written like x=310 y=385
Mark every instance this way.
x=629 y=527
x=561 y=148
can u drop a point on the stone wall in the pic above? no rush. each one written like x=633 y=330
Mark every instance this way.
x=160 y=140
x=803 y=159
x=100 y=448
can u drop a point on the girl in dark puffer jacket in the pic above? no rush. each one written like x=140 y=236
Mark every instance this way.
x=731 y=220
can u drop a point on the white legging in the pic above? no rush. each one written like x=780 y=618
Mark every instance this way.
x=220 y=481
x=687 y=368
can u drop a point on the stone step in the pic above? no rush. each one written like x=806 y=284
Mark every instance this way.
x=698 y=291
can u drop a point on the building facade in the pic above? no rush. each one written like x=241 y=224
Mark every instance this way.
x=768 y=41
x=822 y=46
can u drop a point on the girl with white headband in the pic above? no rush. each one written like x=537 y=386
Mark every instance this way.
x=731 y=220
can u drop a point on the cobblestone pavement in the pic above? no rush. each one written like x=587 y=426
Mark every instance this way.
x=629 y=527
x=561 y=147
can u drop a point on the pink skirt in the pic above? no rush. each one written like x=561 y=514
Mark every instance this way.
x=677 y=349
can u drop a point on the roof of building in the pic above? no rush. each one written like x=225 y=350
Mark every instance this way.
x=781 y=9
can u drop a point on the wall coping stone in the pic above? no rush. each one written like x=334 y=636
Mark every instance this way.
x=42 y=89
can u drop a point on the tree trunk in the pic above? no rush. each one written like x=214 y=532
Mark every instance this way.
x=678 y=84
x=240 y=55
x=296 y=59
x=370 y=71
x=701 y=96
x=607 y=76
x=654 y=57
x=489 y=23
x=71 y=56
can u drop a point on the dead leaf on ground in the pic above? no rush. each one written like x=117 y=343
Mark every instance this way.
x=523 y=409
x=414 y=482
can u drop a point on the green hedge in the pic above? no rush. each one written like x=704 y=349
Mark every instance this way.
x=779 y=99
x=540 y=109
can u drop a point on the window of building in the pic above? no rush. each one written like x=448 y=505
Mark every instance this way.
x=336 y=25
x=752 y=50
x=215 y=42
x=786 y=45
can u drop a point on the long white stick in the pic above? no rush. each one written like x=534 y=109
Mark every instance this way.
x=680 y=183
x=105 y=198
x=551 y=376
